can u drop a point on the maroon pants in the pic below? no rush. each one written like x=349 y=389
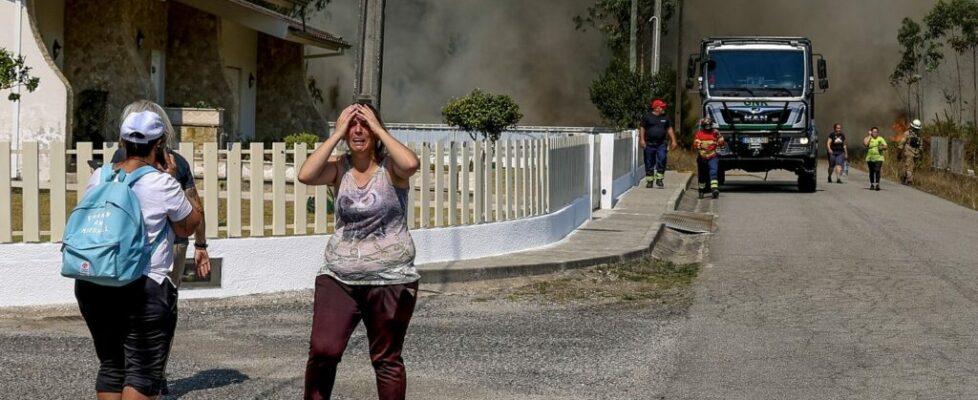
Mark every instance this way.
x=338 y=308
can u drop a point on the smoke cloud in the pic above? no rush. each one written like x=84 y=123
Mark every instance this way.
x=437 y=49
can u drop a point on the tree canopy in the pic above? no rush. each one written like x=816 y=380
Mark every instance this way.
x=14 y=73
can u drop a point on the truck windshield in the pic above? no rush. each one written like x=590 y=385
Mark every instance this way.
x=768 y=73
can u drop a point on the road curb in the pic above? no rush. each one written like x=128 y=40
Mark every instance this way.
x=462 y=274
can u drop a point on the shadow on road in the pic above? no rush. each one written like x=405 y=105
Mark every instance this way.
x=209 y=379
x=761 y=187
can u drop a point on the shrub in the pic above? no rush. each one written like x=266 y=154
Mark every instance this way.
x=482 y=112
x=302 y=137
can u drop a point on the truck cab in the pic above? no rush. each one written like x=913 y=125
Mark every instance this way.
x=760 y=91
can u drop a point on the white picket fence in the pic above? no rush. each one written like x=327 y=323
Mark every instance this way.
x=459 y=183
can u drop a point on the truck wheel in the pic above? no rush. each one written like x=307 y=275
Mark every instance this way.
x=721 y=176
x=807 y=182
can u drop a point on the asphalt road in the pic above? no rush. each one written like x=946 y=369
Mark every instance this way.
x=842 y=294
x=467 y=342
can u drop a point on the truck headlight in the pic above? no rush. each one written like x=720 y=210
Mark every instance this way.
x=803 y=140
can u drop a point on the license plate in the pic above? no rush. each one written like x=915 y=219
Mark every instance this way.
x=755 y=140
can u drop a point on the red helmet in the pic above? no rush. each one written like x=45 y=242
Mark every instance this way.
x=658 y=103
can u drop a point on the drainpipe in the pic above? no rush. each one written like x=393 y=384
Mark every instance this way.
x=15 y=159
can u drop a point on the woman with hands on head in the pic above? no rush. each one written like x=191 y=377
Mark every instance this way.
x=368 y=270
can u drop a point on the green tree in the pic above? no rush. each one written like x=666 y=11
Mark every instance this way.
x=954 y=22
x=613 y=19
x=623 y=97
x=919 y=56
x=482 y=112
x=14 y=73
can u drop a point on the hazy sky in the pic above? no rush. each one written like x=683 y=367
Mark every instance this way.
x=437 y=49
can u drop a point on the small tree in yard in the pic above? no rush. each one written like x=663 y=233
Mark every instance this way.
x=623 y=97
x=482 y=112
x=14 y=73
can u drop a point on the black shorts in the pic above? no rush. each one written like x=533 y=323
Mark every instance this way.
x=132 y=327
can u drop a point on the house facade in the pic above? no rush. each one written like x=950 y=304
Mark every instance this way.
x=95 y=56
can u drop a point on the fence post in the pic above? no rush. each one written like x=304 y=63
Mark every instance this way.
x=439 y=184
x=6 y=224
x=412 y=196
x=257 y=186
x=498 y=209
x=320 y=223
x=452 y=183
x=83 y=154
x=58 y=199
x=299 y=216
x=425 y=185
x=234 y=191
x=466 y=196
x=480 y=182
x=212 y=190
x=31 y=193
x=278 y=188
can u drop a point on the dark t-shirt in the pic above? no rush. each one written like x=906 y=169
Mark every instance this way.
x=838 y=142
x=184 y=175
x=656 y=128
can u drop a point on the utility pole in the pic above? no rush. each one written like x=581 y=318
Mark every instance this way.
x=657 y=31
x=679 y=62
x=632 y=50
x=370 y=61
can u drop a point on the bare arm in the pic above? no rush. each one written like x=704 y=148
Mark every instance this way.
x=828 y=146
x=187 y=226
x=319 y=169
x=641 y=136
x=672 y=137
x=201 y=258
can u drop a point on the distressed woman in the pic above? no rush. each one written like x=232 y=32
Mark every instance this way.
x=368 y=271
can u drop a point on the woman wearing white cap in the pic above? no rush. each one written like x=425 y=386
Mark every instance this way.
x=132 y=325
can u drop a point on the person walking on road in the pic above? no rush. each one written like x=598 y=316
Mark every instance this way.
x=911 y=151
x=368 y=270
x=655 y=128
x=132 y=326
x=838 y=149
x=875 y=148
x=705 y=143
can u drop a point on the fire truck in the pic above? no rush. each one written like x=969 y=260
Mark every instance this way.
x=760 y=91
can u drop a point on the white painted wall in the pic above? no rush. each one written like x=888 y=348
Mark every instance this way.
x=239 y=48
x=42 y=114
x=29 y=273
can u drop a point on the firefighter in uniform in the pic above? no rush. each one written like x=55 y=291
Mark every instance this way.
x=705 y=143
x=911 y=151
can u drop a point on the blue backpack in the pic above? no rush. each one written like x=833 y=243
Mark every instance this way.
x=105 y=240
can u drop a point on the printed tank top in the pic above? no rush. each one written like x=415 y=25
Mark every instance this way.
x=371 y=245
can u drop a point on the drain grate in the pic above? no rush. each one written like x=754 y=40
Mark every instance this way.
x=689 y=222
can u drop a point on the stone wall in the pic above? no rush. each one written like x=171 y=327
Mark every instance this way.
x=194 y=70
x=101 y=55
x=284 y=104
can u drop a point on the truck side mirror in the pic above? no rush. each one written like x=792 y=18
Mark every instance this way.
x=823 y=80
x=690 y=71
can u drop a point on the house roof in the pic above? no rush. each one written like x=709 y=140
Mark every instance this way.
x=269 y=22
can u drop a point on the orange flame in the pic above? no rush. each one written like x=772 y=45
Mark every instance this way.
x=899 y=127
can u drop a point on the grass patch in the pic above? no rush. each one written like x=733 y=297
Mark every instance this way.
x=962 y=190
x=640 y=280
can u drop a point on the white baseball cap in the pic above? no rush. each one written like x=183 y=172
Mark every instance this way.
x=142 y=127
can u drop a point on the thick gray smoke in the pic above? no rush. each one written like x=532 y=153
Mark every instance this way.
x=438 y=49
x=857 y=38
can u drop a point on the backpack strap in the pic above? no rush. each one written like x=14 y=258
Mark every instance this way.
x=138 y=173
